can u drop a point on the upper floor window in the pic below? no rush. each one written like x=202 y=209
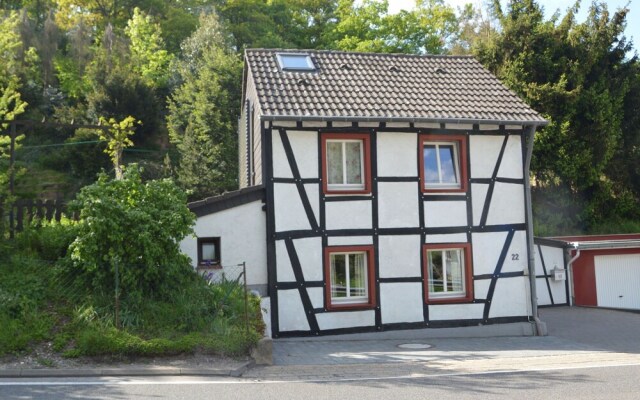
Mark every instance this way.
x=443 y=163
x=295 y=62
x=346 y=163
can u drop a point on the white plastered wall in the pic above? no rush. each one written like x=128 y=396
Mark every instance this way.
x=398 y=205
x=445 y=213
x=292 y=316
x=291 y=216
x=399 y=256
x=395 y=299
x=348 y=214
x=390 y=146
x=305 y=148
x=337 y=320
x=553 y=258
x=242 y=232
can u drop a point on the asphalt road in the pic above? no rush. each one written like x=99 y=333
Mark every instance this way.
x=615 y=382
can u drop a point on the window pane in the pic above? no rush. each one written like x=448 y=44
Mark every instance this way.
x=447 y=167
x=430 y=164
x=357 y=274
x=354 y=162
x=455 y=274
x=436 y=272
x=208 y=251
x=334 y=163
x=296 y=61
x=338 y=276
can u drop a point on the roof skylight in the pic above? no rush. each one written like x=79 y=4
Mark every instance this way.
x=295 y=62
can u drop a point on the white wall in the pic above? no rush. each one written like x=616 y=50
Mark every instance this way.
x=242 y=232
x=553 y=258
x=399 y=256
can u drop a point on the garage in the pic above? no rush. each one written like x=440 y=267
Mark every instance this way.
x=604 y=270
x=618 y=281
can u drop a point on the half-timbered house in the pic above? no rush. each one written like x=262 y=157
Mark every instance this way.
x=378 y=191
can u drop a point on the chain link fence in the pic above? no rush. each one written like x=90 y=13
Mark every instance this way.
x=232 y=278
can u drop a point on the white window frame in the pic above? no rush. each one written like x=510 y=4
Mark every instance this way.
x=345 y=186
x=456 y=165
x=350 y=299
x=447 y=294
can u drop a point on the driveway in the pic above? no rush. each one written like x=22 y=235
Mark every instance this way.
x=572 y=331
x=609 y=330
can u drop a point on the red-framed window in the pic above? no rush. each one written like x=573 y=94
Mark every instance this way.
x=346 y=163
x=448 y=273
x=349 y=276
x=443 y=163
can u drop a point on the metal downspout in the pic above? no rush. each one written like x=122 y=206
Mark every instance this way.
x=570 y=270
x=530 y=132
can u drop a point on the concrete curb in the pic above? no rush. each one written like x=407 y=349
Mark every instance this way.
x=106 y=372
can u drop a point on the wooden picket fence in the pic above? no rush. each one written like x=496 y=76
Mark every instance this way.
x=23 y=211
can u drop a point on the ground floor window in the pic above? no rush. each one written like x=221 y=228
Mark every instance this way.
x=208 y=252
x=448 y=273
x=349 y=277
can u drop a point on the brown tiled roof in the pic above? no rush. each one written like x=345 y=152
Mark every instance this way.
x=384 y=87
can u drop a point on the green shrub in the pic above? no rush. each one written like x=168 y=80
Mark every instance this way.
x=48 y=241
x=137 y=226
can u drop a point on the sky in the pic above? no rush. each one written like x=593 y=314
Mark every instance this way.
x=550 y=6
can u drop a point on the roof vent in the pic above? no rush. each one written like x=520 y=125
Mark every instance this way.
x=302 y=82
x=393 y=68
x=345 y=66
x=440 y=71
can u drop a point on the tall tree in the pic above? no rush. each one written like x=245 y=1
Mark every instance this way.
x=578 y=75
x=203 y=111
x=149 y=57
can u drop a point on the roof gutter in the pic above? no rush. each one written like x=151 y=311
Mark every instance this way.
x=606 y=244
x=533 y=123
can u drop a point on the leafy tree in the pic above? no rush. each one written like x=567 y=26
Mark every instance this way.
x=136 y=225
x=367 y=26
x=149 y=58
x=203 y=112
x=578 y=75
x=117 y=138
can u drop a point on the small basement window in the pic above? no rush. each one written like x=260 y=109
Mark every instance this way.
x=209 y=252
x=295 y=62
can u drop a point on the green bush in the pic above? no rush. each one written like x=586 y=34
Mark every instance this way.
x=47 y=241
x=137 y=226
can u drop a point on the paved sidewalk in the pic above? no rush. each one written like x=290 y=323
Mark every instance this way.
x=577 y=338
